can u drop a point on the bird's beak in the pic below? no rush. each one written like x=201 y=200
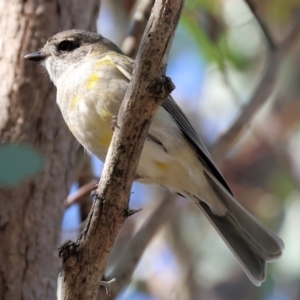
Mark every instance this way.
x=35 y=56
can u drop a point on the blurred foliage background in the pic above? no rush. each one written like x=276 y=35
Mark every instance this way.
x=223 y=55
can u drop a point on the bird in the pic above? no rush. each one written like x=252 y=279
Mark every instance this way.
x=91 y=75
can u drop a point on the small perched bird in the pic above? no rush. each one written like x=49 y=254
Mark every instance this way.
x=91 y=75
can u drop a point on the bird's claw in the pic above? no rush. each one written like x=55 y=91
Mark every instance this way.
x=114 y=123
x=129 y=212
x=107 y=285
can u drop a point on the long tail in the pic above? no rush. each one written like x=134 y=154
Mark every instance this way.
x=251 y=242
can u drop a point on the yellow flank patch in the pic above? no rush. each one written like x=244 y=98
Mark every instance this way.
x=92 y=81
x=105 y=130
x=105 y=114
x=105 y=61
x=74 y=101
x=105 y=139
x=162 y=166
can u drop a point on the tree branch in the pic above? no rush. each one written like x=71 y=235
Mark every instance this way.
x=188 y=287
x=83 y=262
x=83 y=175
x=81 y=194
x=260 y=96
x=141 y=15
x=268 y=36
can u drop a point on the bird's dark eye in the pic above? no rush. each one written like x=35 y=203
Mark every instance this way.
x=67 y=46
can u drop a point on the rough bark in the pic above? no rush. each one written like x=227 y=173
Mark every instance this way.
x=85 y=260
x=30 y=215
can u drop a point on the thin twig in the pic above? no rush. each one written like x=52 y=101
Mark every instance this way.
x=81 y=193
x=83 y=175
x=268 y=36
x=140 y=18
x=136 y=247
x=185 y=258
x=259 y=97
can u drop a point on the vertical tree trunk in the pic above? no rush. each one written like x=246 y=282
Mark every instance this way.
x=30 y=215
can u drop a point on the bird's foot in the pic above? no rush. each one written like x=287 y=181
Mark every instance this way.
x=129 y=212
x=114 y=123
x=94 y=193
x=107 y=285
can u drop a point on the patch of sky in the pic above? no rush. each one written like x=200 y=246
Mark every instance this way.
x=135 y=295
x=71 y=217
x=186 y=67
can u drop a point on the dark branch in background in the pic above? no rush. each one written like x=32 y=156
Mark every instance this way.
x=266 y=32
x=188 y=288
x=83 y=262
x=80 y=195
x=263 y=90
x=136 y=247
x=83 y=175
x=141 y=15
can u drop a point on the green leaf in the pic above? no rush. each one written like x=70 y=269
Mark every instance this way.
x=281 y=184
x=206 y=46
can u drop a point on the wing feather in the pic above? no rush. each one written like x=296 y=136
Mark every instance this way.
x=126 y=68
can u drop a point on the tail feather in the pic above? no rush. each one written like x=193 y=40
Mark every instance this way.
x=266 y=243
x=251 y=242
x=253 y=265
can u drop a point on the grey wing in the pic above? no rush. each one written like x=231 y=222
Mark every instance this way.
x=125 y=65
x=178 y=115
